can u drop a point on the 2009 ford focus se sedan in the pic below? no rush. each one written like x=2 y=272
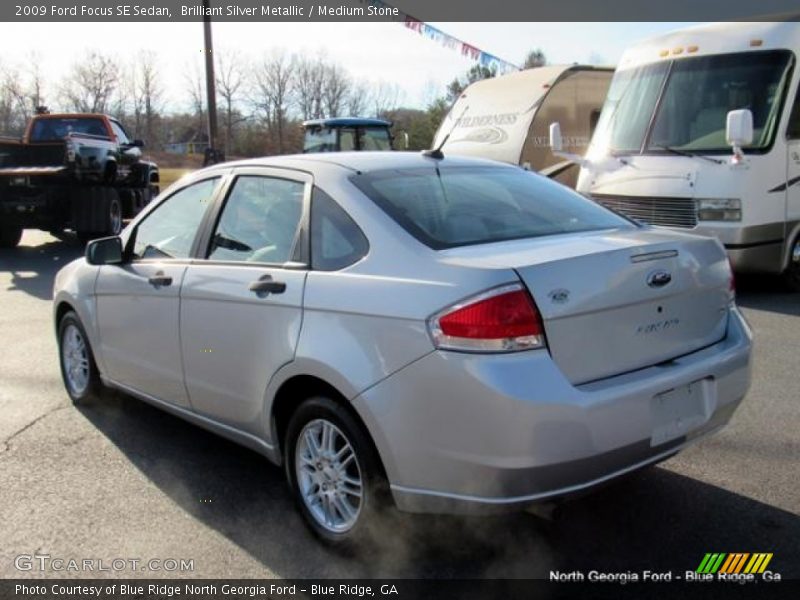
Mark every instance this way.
x=447 y=335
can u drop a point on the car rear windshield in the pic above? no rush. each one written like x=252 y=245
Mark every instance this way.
x=459 y=206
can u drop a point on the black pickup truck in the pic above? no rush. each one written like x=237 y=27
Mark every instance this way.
x=72 y=171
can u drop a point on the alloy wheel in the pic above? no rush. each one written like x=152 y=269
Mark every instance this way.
x=328 y=476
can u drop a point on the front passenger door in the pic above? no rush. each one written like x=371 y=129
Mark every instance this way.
x=138 y=302
x=241 y=308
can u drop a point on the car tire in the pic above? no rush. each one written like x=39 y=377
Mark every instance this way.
x=791 y=276
x=10 y=234
x=78 y=367
x=326 y=489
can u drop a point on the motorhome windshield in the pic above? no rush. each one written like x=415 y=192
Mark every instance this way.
x=683 y=104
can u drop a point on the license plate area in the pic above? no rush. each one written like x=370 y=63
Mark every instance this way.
x=676 y=412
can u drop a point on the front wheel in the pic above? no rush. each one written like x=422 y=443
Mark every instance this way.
x=334 y=473
x=792 y=273
x=78 y=368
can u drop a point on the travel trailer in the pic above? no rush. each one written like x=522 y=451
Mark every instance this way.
x=506 y=118
x=701 y=132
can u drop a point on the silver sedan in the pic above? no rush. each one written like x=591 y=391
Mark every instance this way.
x=440 y=334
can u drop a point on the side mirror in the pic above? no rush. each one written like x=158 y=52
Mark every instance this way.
x=138 y=143
x=557 y=147
x=104 y=251
x=556 y=141
x=739 y=130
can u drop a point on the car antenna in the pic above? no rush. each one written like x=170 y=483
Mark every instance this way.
x=436 y=153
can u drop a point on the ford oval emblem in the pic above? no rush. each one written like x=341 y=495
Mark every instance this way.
x=659 y=278
x=559 y=296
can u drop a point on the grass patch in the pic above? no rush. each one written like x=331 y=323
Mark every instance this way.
x=169 y=176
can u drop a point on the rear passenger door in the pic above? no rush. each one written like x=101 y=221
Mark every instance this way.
x=241 y=303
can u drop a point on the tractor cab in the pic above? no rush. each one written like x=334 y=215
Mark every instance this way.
x=347 y=134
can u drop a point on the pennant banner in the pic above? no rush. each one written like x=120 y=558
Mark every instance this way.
x=485 y=59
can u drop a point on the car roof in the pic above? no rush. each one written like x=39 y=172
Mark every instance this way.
x=363 y=162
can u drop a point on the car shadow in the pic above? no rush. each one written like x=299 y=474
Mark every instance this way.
x=33 y=268
x=655 y=519
x=765 y=292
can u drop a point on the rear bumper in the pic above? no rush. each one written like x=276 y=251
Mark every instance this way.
x=461 y=433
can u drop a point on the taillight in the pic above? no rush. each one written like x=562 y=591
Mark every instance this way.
x=504 y=319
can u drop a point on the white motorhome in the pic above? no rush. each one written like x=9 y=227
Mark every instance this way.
x=701 y=132
x=506 y=118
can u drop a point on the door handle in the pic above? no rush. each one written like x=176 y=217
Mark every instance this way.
x=159 y=279
x=265 y=285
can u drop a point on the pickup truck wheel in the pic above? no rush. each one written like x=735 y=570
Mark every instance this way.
x=112 y=210
x=791 y=276
x=78 y=368
x=98 y=213
x=150 y=192
x=334 y=473
x=10 y=234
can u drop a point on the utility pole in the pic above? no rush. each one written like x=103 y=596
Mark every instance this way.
x=212 y=154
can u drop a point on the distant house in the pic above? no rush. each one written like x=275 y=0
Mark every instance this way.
x=190 y=141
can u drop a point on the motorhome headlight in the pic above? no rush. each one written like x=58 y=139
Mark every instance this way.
x=719 y=209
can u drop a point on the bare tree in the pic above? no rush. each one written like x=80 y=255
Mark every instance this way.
x=91 y=83
x=230 y=86
x=358 y=99
x=12 y=101
x=195 y=88
x=273 y=90
x=335 y=91
x=21 y=92
x=35 y=82
x=308 y=84
x=9 y=84
x=150 y=91
x=385 y=97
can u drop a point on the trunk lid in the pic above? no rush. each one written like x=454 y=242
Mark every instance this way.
x=616 y=301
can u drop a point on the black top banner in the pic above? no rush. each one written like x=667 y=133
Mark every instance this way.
x=400 y=10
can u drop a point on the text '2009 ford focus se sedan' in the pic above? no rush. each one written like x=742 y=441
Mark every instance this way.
x=446 y=335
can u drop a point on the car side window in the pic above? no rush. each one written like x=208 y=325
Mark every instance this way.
x=793 y=130
x=259 y=221
x=336 y=241
x=168 y=231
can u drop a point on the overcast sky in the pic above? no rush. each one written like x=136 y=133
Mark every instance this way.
x=371 y=51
